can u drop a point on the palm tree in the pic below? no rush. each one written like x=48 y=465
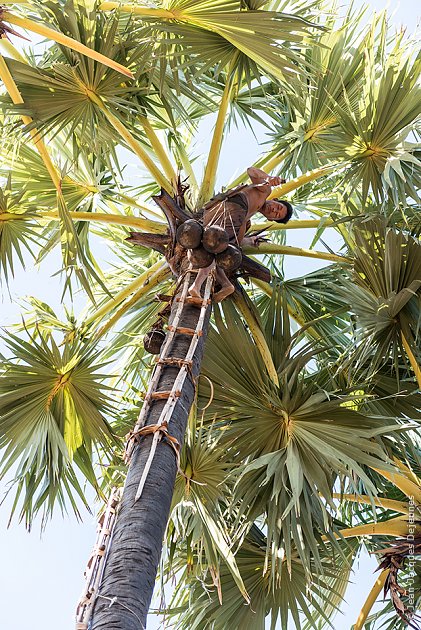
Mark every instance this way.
x=294 y=436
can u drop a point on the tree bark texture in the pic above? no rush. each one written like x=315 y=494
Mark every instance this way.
x=129 y=577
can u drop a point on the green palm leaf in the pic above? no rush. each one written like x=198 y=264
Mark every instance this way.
x=206 y=33
x=374 y=125
x=199 y=605
x=53 y=407
x=17 y=234
x=385 y=294
x=307 y=438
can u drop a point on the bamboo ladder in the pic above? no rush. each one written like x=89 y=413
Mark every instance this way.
x=96 y=564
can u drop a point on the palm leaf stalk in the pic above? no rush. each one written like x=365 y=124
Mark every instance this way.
x=397 y=526
x=209 y=176
x=153 y=281
x=11 y=51
x=412 y=359
x=64 y=40
x=301 y=180
x=148 y=279
x=390 y=504
x=257 y=334
x=371 y=599
x=408 y=472
x=17 y=99
x=114 y=219
x=160 y=151
x=408 y=487
x=134 y=144
x=273 y=248
x=293 y=225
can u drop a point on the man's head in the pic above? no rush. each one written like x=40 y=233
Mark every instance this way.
x=277 y=210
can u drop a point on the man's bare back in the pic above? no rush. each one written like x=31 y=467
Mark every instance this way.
x=233 y=214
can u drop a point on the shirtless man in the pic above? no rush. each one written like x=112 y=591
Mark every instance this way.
x=233 y=214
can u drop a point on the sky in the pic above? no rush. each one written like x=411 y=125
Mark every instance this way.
x=42 y=575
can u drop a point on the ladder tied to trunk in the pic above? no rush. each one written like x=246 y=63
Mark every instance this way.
x=96 y=563
x=184 y=366
x=159 y=431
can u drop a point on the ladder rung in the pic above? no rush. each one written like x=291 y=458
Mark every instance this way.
x=196 y=301
x=185 y=331
x=163 y=395
x=175 y=362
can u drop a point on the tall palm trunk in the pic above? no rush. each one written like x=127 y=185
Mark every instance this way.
x=129 y=577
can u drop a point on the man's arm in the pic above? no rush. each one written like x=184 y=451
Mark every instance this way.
x=258 y=176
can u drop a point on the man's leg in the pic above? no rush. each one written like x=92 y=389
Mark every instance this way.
x=202 y=274
x=226 y=286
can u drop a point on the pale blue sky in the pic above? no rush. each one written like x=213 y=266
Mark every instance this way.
x=41 y=577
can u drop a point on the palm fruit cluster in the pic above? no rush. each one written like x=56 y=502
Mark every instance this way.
x=206 y=244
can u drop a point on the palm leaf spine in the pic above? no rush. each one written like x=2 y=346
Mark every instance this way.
x=371 y=599
x=153 y=281
x=389 y=504
x=17 y=99
x=159 y=149
x=188 y=168
x=209 y=176
x=64 y=40
x=131 y=141
x=139 y=282
x=408 y=487
x=118 y=219
x=258 y=336
x=305 y=178
x=412 y=359
x=11 y=51
x=273 y=248
x=393 y=527
x=407 y=471
x=292 y=224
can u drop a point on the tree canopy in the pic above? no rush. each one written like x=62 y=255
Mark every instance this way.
x=302 y=445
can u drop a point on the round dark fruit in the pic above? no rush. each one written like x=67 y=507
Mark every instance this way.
x=199 y=258
x=153 y=341
x=215 y=239
x=230 y=259
x=189 y=234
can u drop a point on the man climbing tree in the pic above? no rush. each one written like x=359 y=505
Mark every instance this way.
x=232 y=211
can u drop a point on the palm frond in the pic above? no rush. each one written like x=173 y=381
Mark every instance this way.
x=53 y=407
x=199 y=606
x=17 y=233
x=385 y=294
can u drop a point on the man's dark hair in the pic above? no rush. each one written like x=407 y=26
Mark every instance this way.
x=290 y=211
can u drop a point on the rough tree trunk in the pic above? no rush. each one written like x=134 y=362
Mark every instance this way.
x=132 y=564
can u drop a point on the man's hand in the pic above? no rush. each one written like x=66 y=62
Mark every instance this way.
x=253 y=241
x=276 y=181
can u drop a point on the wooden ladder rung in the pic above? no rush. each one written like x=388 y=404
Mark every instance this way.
x=164 y=395
x=185 y=331
x=175 y=362
x=196 y=301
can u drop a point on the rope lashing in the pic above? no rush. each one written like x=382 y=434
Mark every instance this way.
x=158 y=368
